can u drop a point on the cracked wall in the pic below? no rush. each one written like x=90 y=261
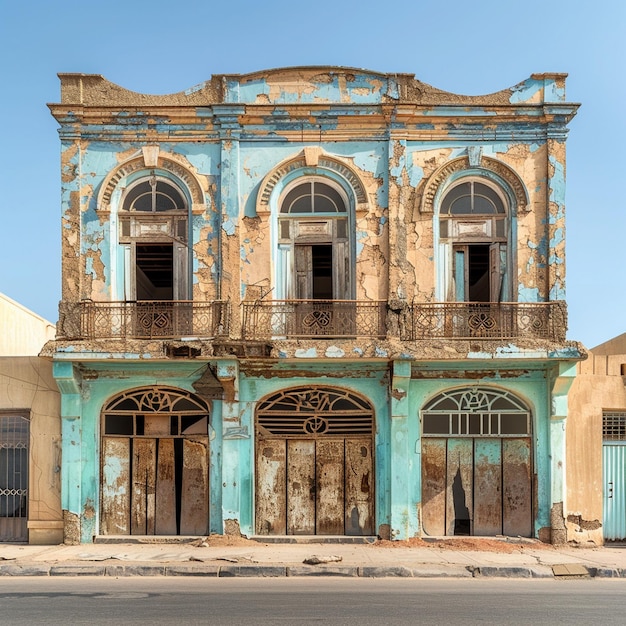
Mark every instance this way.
x=393 y=134
x=236 y=143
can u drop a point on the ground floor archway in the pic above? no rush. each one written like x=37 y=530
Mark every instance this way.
x=314 y=463
x=155 y=464
x=476 y=464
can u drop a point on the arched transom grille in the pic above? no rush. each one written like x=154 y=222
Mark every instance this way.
x=475 y=412
x=314 y=411
x=153 y=411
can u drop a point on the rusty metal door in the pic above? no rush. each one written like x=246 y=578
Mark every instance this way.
x=155 y=465
x=314 y=466
x=476 y=486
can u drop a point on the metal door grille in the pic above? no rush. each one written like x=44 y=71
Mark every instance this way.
x=14 y=439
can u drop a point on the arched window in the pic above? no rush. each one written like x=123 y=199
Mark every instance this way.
x=153 y=195
x=474 y=230
x=315 y=245
x=313 y=196
x=472 y=198
x=154 y=224
x=155 y=411
x=314 y=411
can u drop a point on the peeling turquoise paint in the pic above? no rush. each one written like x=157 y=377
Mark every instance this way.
x=528 y=294
x=557 y=189
x=230 y=148
x=525 y=91
x=310 y=353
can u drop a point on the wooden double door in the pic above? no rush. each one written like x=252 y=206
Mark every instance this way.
x=314 y=486
x=154 y=464
x=155 y=486
x=477 y=486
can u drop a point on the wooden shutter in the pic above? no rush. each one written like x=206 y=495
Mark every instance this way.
x=304 y=272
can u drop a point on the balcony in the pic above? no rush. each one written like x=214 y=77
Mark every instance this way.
x=497 y=321
x=143 y=320
x=314 y=319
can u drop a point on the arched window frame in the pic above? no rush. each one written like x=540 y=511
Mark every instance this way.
x=131 y=227
x=496 y=229
x=311 y=180
x=314 y=411
x=290 y=228
x=128 y=406
x=153 y=179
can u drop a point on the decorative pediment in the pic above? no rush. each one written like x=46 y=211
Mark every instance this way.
x=151 y=157
x=311 y=157
x=475 y=162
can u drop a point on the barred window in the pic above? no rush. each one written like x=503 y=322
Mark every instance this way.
x=614 y=425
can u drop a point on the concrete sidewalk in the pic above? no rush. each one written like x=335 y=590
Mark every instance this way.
x=215 y=556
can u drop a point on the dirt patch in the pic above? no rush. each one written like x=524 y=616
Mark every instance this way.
x=506 y=545
x=216 y=541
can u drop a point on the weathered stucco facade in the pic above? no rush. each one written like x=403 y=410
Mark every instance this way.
x=354 y=283
x=596 y=436
x=30 y=430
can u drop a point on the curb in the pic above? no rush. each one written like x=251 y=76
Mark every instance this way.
x=280 y=571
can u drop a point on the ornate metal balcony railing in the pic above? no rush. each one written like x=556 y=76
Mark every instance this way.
x=143 y=320
x=501 y=320
x=314 y=319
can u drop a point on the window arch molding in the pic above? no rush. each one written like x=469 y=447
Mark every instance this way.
x=139 y=166
x=491 y=170
x=311 y=162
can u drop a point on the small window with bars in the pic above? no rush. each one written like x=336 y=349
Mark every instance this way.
x=614 y=425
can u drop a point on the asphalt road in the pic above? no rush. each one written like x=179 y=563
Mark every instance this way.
x=340 y=601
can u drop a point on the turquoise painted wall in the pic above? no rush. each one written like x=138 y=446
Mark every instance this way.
x=396 y=399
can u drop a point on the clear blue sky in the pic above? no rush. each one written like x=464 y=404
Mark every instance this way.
x=464 y=47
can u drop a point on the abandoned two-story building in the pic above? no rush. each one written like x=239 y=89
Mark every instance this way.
x=313 y=301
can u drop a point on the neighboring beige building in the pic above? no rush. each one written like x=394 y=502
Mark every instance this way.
x=23 y=332
x=596 y=443
x=30 y=430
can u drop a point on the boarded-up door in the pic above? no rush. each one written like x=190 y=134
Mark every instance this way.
x=476 y=487
x=314 y=465
x=476 y=464
x=314 y=487
x=155 y=465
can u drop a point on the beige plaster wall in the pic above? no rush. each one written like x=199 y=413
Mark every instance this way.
x=22 y=332
x=28 y=387
x=598 y=386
